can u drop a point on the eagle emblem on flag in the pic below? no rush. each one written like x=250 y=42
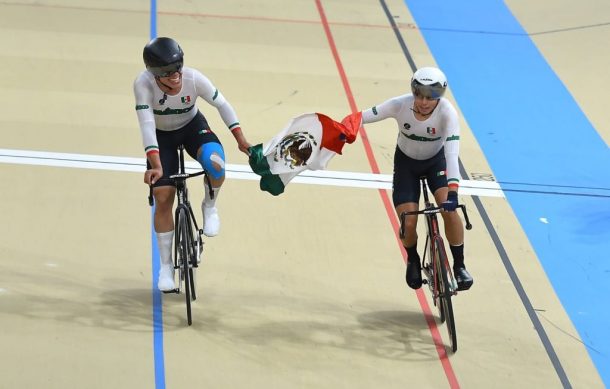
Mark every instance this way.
x=295 y=149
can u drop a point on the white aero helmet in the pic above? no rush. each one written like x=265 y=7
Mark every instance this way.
x=429 y=82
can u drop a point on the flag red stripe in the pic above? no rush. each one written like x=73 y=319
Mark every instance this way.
x=335 y=134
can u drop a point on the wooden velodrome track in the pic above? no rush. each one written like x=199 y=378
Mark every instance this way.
x=305 y=290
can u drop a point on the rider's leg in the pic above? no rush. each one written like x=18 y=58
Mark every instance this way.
x=212 y=159
x=454 y=231
x=405 y=197
x=413 y=273
x=164 y=227
x=164 y=202
x=410 y=226
x=164 y=193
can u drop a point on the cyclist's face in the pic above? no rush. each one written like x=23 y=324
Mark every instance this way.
x=173 y=79
x=425 y=105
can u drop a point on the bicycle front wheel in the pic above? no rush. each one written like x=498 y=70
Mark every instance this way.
x=184 y=249
x=444 y=290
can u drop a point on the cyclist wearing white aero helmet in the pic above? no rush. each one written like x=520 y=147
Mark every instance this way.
x=428 y=145
x=165 y=96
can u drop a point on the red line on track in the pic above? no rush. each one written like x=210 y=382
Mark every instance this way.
x=438 y=341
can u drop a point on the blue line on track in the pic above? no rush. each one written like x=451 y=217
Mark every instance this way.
x=157 y=313
x=532 y=131
x=153 y=19
x=156 y=294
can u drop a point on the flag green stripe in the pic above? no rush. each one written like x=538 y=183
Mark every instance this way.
x=270 y=182
x=257 y=160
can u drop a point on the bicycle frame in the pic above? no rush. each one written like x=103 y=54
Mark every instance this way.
x=434 y=241
x=433 y=236
x=179 y=180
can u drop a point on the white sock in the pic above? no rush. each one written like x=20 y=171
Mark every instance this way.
x=207 y=200
x=165 y=242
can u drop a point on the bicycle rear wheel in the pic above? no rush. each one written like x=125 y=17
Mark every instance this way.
x=184 y=242
x=444 y=291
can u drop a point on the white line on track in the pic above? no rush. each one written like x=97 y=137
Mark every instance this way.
x=239 y=172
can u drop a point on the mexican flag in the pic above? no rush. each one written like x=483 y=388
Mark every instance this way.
x=308 y=142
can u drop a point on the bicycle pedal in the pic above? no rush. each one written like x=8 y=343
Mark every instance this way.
x=176 y=291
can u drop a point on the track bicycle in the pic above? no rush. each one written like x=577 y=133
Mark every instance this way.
x=188 y=240
x=439 y=276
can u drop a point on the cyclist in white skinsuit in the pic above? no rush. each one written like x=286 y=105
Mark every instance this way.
x=165 y=96
x=428 y=145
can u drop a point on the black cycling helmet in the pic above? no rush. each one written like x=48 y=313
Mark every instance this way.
x=163 y=56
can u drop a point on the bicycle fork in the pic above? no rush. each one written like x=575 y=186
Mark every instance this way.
x=428 y=269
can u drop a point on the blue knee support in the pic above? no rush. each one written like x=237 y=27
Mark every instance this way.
x=213 y=153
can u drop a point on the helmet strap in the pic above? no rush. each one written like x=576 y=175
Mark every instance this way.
x=423 y=114
x=414 y=109
x=159 y=81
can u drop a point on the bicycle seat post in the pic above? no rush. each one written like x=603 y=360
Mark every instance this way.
x=424 y=189
x=181 y=154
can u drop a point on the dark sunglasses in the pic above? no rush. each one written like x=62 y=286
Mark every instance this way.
x=433 y=92
x=167 y=70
